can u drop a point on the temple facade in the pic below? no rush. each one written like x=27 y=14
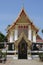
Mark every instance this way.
x=21 y=34
x=22 y=24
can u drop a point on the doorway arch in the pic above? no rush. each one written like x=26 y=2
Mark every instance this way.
x=22 y=50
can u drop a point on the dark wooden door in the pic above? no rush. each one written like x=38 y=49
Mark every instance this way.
x=22 y=50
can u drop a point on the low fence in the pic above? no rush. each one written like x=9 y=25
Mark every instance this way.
x=28 y=51
x=15 y=54
x=35 y=52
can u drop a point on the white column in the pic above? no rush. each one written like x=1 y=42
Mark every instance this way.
x=11 y=37
x=16 y=34
x=7 y=47
x=13 y=46
x=34 y=36
x=29 y=32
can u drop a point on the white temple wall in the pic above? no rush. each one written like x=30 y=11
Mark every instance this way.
x=29 y=33
x=15 y=34
x=34 y=36
x=11 y=37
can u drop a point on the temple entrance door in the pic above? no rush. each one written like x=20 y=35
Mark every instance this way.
x=22 y=50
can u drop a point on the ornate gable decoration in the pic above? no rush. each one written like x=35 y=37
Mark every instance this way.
x=22 y=18
x=23 y=36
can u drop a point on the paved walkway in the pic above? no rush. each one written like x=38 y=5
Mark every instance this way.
x=22 y=62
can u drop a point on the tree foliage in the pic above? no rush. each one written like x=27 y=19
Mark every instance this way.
x=2 y=37
x=42 y=31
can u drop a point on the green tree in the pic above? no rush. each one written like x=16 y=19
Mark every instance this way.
x=42 y=31
x=2 y=37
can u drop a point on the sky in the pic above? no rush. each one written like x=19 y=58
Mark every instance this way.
x=9 y=11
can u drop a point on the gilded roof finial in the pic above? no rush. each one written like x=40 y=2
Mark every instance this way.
x=22 y=4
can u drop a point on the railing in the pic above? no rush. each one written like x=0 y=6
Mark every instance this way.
x=12 y=51
x=40 y=54
x=28 y=51
x=35 y=51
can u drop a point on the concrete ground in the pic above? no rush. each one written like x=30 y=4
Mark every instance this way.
x=11 y=61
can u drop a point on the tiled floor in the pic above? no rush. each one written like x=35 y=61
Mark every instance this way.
x=11 y=61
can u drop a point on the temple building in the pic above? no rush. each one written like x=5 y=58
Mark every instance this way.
x=21 y=35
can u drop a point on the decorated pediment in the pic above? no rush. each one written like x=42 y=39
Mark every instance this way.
x=23 y=18
x=23 y=37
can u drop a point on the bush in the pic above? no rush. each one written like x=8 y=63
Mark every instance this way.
x=0 y=54
x=4 y=54
x=41 y=56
